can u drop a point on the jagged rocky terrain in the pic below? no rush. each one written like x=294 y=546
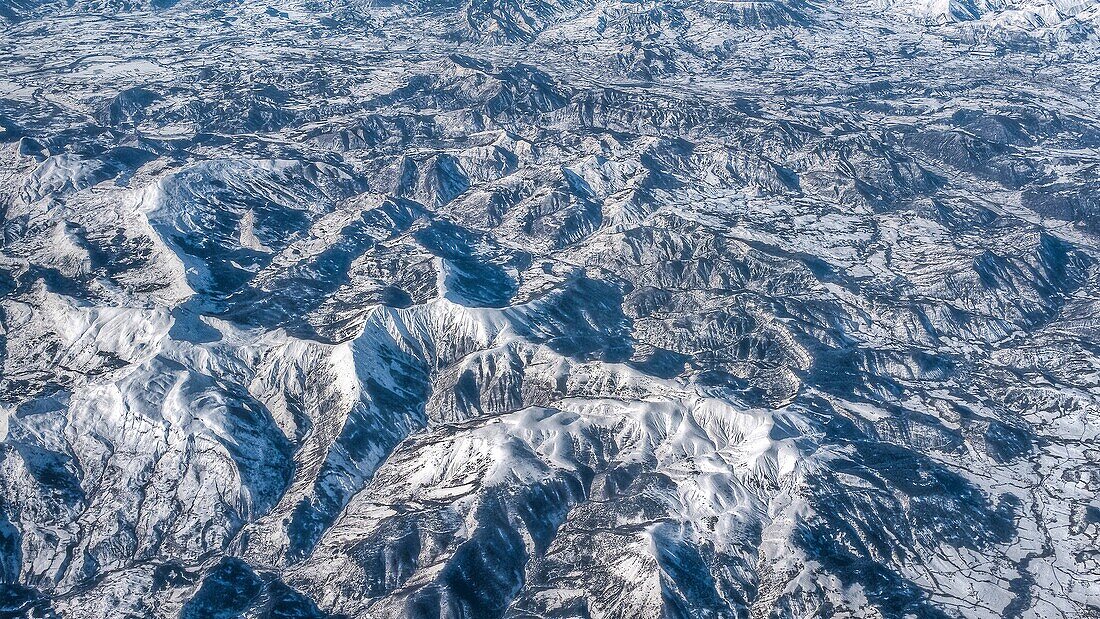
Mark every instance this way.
x=550 y=309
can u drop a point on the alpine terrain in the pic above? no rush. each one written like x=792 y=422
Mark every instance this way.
x=550 y=309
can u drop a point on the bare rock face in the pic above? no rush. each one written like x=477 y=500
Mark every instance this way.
x=549 y=309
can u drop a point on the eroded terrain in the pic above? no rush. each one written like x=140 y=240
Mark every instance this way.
x=549 y=308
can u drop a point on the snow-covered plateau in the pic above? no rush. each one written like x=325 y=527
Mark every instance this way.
x=550 y=309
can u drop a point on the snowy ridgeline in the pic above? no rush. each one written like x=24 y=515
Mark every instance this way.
x=527 y=308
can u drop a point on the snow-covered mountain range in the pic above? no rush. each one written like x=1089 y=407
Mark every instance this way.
x=603 y=309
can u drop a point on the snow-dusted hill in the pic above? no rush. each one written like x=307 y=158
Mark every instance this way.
x=529 y=308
